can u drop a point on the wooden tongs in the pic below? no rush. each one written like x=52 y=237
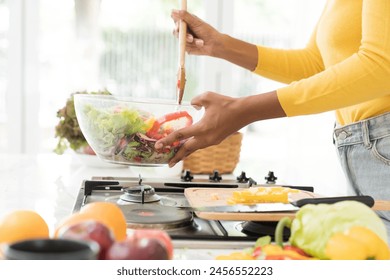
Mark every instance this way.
x=181 y=75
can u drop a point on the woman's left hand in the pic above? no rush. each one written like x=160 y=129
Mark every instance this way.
x=223 y=116
x=221 y=119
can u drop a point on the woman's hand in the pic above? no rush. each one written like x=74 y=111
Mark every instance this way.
x=223 y=116
x=202 y=38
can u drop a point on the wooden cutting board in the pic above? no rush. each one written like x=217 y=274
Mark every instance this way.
x=198 y=197
x=218 y=196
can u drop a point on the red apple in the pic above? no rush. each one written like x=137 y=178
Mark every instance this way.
x=92 y=231
x=160 y=235
x=137 y=248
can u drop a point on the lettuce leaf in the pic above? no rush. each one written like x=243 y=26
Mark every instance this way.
x=109 y=127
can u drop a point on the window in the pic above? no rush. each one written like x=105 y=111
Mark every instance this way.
x=4 y=25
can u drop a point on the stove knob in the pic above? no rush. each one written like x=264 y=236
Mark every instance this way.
x=242 y=178
x=187 y=177
x=271 y=179
x=215 y=177
x=251 y=182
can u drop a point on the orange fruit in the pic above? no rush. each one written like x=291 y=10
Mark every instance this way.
x=21 y=225
x=107 y=213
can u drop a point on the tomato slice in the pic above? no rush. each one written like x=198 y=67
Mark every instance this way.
x=154 y=131
x=295 y=249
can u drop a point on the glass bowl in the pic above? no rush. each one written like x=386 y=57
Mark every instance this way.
x=124 y=130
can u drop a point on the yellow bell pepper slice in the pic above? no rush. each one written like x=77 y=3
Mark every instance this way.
x=358 y=243
x=236 y=256
x=261 y=195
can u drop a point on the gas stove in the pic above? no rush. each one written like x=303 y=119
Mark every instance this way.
x=159 y=203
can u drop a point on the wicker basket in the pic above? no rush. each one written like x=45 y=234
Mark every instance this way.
x=222 y=157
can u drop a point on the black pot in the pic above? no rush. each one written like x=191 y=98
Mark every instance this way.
x=51 y=249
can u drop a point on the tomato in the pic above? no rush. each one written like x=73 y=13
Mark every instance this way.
x=296 y=249
x=257 y=252
x=137 y=159
x=154 y=131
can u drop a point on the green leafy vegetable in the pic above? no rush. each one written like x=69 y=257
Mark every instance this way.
x=108 y=127
x=68 y=130
x=119 y=134
x=315 y=224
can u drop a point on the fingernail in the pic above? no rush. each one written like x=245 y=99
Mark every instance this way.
x=158 y=146
x=175 y=11
x=172 y=164
x=190 y=38
x=199 y=43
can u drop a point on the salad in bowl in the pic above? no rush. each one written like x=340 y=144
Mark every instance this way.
x=124 y=130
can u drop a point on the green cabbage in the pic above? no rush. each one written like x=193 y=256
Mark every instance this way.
x=315 y=224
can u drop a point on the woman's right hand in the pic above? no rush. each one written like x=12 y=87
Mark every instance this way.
x=202 y=38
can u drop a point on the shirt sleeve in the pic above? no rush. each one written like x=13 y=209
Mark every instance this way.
x=287 y=66
x=363 y=76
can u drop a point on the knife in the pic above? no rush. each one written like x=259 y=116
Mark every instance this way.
x=278 y=207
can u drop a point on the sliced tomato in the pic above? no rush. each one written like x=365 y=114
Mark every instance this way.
x=175 y=116
x=257 y=252
x=137 y=159
x=295 y=249
x=155 y=133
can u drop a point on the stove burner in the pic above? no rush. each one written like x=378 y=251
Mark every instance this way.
x=155 y=216
x=140 y=194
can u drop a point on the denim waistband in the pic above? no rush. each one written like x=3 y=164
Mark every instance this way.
x=363 y=131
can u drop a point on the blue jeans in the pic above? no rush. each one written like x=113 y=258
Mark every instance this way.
x=364 y=151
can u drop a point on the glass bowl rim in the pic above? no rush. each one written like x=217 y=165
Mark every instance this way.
x=132 y=100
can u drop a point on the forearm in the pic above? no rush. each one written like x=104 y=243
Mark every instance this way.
x=236 y=51
x=259 y=107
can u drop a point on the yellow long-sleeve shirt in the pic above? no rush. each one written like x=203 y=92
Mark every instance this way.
x=344 y=67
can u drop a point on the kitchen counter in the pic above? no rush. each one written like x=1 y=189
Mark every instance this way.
x=49 y=184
